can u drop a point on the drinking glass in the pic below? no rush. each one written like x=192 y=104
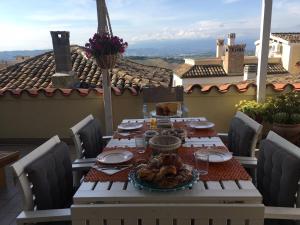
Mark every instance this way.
x=140 y=143
x=153 y=123
x=201 y=161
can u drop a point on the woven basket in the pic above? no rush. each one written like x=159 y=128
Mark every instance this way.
x=164 y=144
x=107 y=61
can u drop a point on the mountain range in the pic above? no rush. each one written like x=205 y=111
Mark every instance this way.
x=164 y=48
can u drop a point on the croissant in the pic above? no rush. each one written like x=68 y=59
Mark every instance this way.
x=146 y=174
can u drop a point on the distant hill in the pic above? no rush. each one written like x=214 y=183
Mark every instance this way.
x=165 y=53
x=11 y=55
x=168 y=63
x=181 y=48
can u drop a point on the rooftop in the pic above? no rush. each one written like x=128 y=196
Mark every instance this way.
x=292 y=37
x=195 y=71
x=36 y=72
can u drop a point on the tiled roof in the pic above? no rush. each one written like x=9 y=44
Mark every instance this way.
x=36 y=72
x=184 y=71
x=274 y=68
x=241 y=87
x=196 y=71
x=292 y=37
x=275 y=85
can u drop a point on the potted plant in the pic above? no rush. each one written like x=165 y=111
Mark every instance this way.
x=284 y=113
x=105 y=49
x=251 y=108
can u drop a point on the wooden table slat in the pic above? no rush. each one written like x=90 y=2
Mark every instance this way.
x=102 y=186
x=117 y=186
x=246 y=184
x=213 y=185
x=86 y=186
x=230 y=185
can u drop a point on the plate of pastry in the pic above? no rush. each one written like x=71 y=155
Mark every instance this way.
x=163 y=173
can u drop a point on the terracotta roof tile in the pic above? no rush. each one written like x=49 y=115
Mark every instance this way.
x=240 y=87
x=292 y=36
x=189 y=71
x=36 y=72
x=196 y=71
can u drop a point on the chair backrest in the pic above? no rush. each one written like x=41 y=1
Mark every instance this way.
x=43 y=173
x=257 y=127
x=163 y=94
x=244 y=134
x=78 y=140
x=168 y=214
x=278 y=171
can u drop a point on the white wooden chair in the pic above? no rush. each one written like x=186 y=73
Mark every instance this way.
x=287 y=213
x=163 y=94
x=248 y=162
x=30 y=215
x=168 y=214
x=78 y=142
x=255 y=126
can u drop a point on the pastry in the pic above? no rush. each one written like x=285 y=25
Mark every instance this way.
x=165 y=171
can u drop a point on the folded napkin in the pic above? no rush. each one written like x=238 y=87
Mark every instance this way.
x=111 y=171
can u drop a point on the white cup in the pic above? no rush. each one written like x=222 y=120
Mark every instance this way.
x=140 y=143
x=201 y=161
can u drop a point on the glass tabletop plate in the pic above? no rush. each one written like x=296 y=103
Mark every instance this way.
x=143 y=185
x=114 y=156
x=201 y=124
x=218 y=157
x=130 y=126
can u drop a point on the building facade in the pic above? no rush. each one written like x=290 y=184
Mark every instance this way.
x=285 y=46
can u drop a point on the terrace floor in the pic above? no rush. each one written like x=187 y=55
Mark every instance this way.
x=11 y=196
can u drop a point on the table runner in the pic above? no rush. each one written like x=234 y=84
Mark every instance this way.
x=230 y=170
x=191 y=132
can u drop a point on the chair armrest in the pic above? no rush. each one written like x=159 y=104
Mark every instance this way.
x=82 y=166
x=283 y=213
x=51 y=215
x=87 y=160
x=224 y=137
x=247 y=162
x=107 y=138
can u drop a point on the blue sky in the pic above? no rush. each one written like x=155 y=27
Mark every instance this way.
x=25 y=24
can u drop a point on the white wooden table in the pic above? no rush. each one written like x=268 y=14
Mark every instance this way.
x=232 y=191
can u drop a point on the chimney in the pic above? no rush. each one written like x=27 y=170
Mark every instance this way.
x=64 y=77
x=250 y=72
x=220 y=48
x=233 y=63
x=231 y=39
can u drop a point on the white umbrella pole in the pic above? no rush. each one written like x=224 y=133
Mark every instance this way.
x=102 y=28
x=262 y=69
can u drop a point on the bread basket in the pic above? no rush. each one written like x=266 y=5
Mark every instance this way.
x=164 y=144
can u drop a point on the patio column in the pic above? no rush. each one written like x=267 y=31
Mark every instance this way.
x=106 y=82
x=265 y=28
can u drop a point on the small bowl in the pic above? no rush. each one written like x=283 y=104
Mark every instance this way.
x=149 y=134
x=165 y=144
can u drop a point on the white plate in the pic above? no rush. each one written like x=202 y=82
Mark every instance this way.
x=115 y=156
x=218 y=157
x=130 y=126
x=201 y=124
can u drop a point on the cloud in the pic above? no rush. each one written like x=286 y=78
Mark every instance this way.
x=72 y=16
x=203 y=29
x=229 y=1
x=38 y=37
